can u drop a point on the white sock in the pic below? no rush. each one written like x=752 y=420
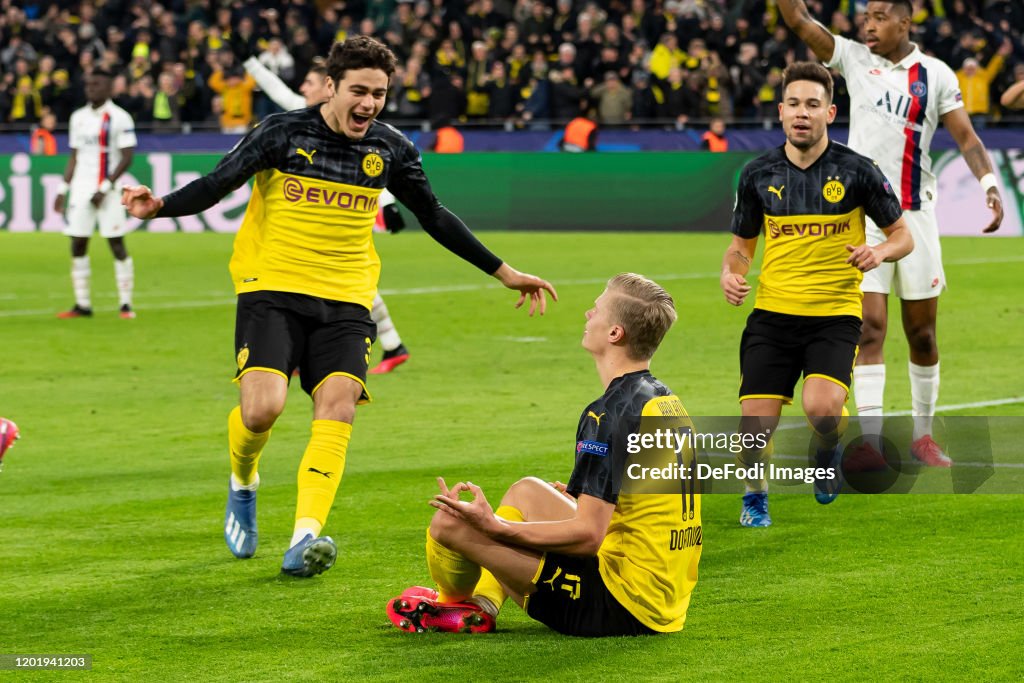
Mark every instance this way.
x=236 y=486
x=80 y=273
x=301 y=534
x=124 y=273
x=924 y=394
x=386 y=332
x=868 y=391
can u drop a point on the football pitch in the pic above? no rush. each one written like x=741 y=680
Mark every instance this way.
x=112 y=503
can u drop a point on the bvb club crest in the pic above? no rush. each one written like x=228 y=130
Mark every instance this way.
x=833 y=190
x=373 y=165
x=243 y=356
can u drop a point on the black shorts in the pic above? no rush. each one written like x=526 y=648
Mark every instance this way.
x=572 y=599
x=281 y=331
x=777 y=348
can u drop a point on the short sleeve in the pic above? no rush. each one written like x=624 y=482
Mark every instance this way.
x=879 y=199
x=841 y=54
x=948 y=97
x=74 y=132
x=748 y=211
x=601 y=455
x=125 y=131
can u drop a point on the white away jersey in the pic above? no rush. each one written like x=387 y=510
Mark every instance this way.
x=98 y=135
x=894 y=111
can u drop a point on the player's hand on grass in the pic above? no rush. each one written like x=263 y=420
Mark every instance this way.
x=863 y=257
x=735 y=288
x=528 y=286
x=140 y=202
x=995 y=202
x=478 y=513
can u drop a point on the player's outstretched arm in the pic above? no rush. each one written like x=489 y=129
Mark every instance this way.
x=528 y=286
x=898 y=243
x=973 y=150
x=139 y=201
x=1013 y=98
x=735 y=265
x=814 y=35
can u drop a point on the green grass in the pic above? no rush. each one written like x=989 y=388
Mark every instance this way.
x=111 y=505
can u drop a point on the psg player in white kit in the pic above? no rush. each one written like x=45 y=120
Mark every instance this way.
x=102 y=137
x=898 y=96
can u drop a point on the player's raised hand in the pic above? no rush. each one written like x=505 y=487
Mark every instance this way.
x=528 y=286
x=995 y=202
x=139 y=201
x=863 y=257
x=478 y=513
x=735 y=288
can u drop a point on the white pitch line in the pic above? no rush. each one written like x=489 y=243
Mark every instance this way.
x=438 y=289
x=1013 y=400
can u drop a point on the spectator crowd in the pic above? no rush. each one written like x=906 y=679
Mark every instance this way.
x=519 y=63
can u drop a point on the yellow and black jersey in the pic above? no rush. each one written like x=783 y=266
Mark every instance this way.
x=808 y=217
x=308 y=228
x=649 y=557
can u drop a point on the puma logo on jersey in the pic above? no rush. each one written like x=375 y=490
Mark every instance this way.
x=308 y=155
x=597 y=418
x=777 y=192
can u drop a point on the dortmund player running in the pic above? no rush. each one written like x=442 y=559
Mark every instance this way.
x=600 y=556
x=306 y=272
x=810 y=197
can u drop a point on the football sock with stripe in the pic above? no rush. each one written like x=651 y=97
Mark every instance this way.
x=320 y=472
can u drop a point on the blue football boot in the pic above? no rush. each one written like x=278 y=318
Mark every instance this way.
x=310 y=556
x=755 y=510
x=240 y=523
x=827 y=490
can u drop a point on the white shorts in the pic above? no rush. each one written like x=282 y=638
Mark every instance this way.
x=82 y=216
x=919 y=274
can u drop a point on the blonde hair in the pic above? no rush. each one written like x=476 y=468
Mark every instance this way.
x=645 y=311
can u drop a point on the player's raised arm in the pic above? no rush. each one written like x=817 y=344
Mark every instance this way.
x=973 y=150
x=814 y=35
x=1013 y=98
x=254 y=153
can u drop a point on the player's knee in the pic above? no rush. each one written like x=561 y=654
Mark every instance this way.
x=922 y=339
x=872 y=332
x=523 y=490
x=444 y=528
x=118 y=249
x=260 y=416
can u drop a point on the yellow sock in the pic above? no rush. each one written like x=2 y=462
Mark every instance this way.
x=454 y=575
x=245 y=448
x=488 y=586
x=320 y=472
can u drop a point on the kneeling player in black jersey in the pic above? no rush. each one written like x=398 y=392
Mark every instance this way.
x=305 y=271
x=809 y=197
x=606 y=554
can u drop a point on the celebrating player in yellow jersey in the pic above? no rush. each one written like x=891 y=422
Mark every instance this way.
x=305 y=271
x=810 y=197
x=601 y=555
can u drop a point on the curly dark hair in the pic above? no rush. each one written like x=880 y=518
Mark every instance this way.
x=359 y=52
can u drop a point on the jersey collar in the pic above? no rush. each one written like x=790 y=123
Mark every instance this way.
x=912 y=58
